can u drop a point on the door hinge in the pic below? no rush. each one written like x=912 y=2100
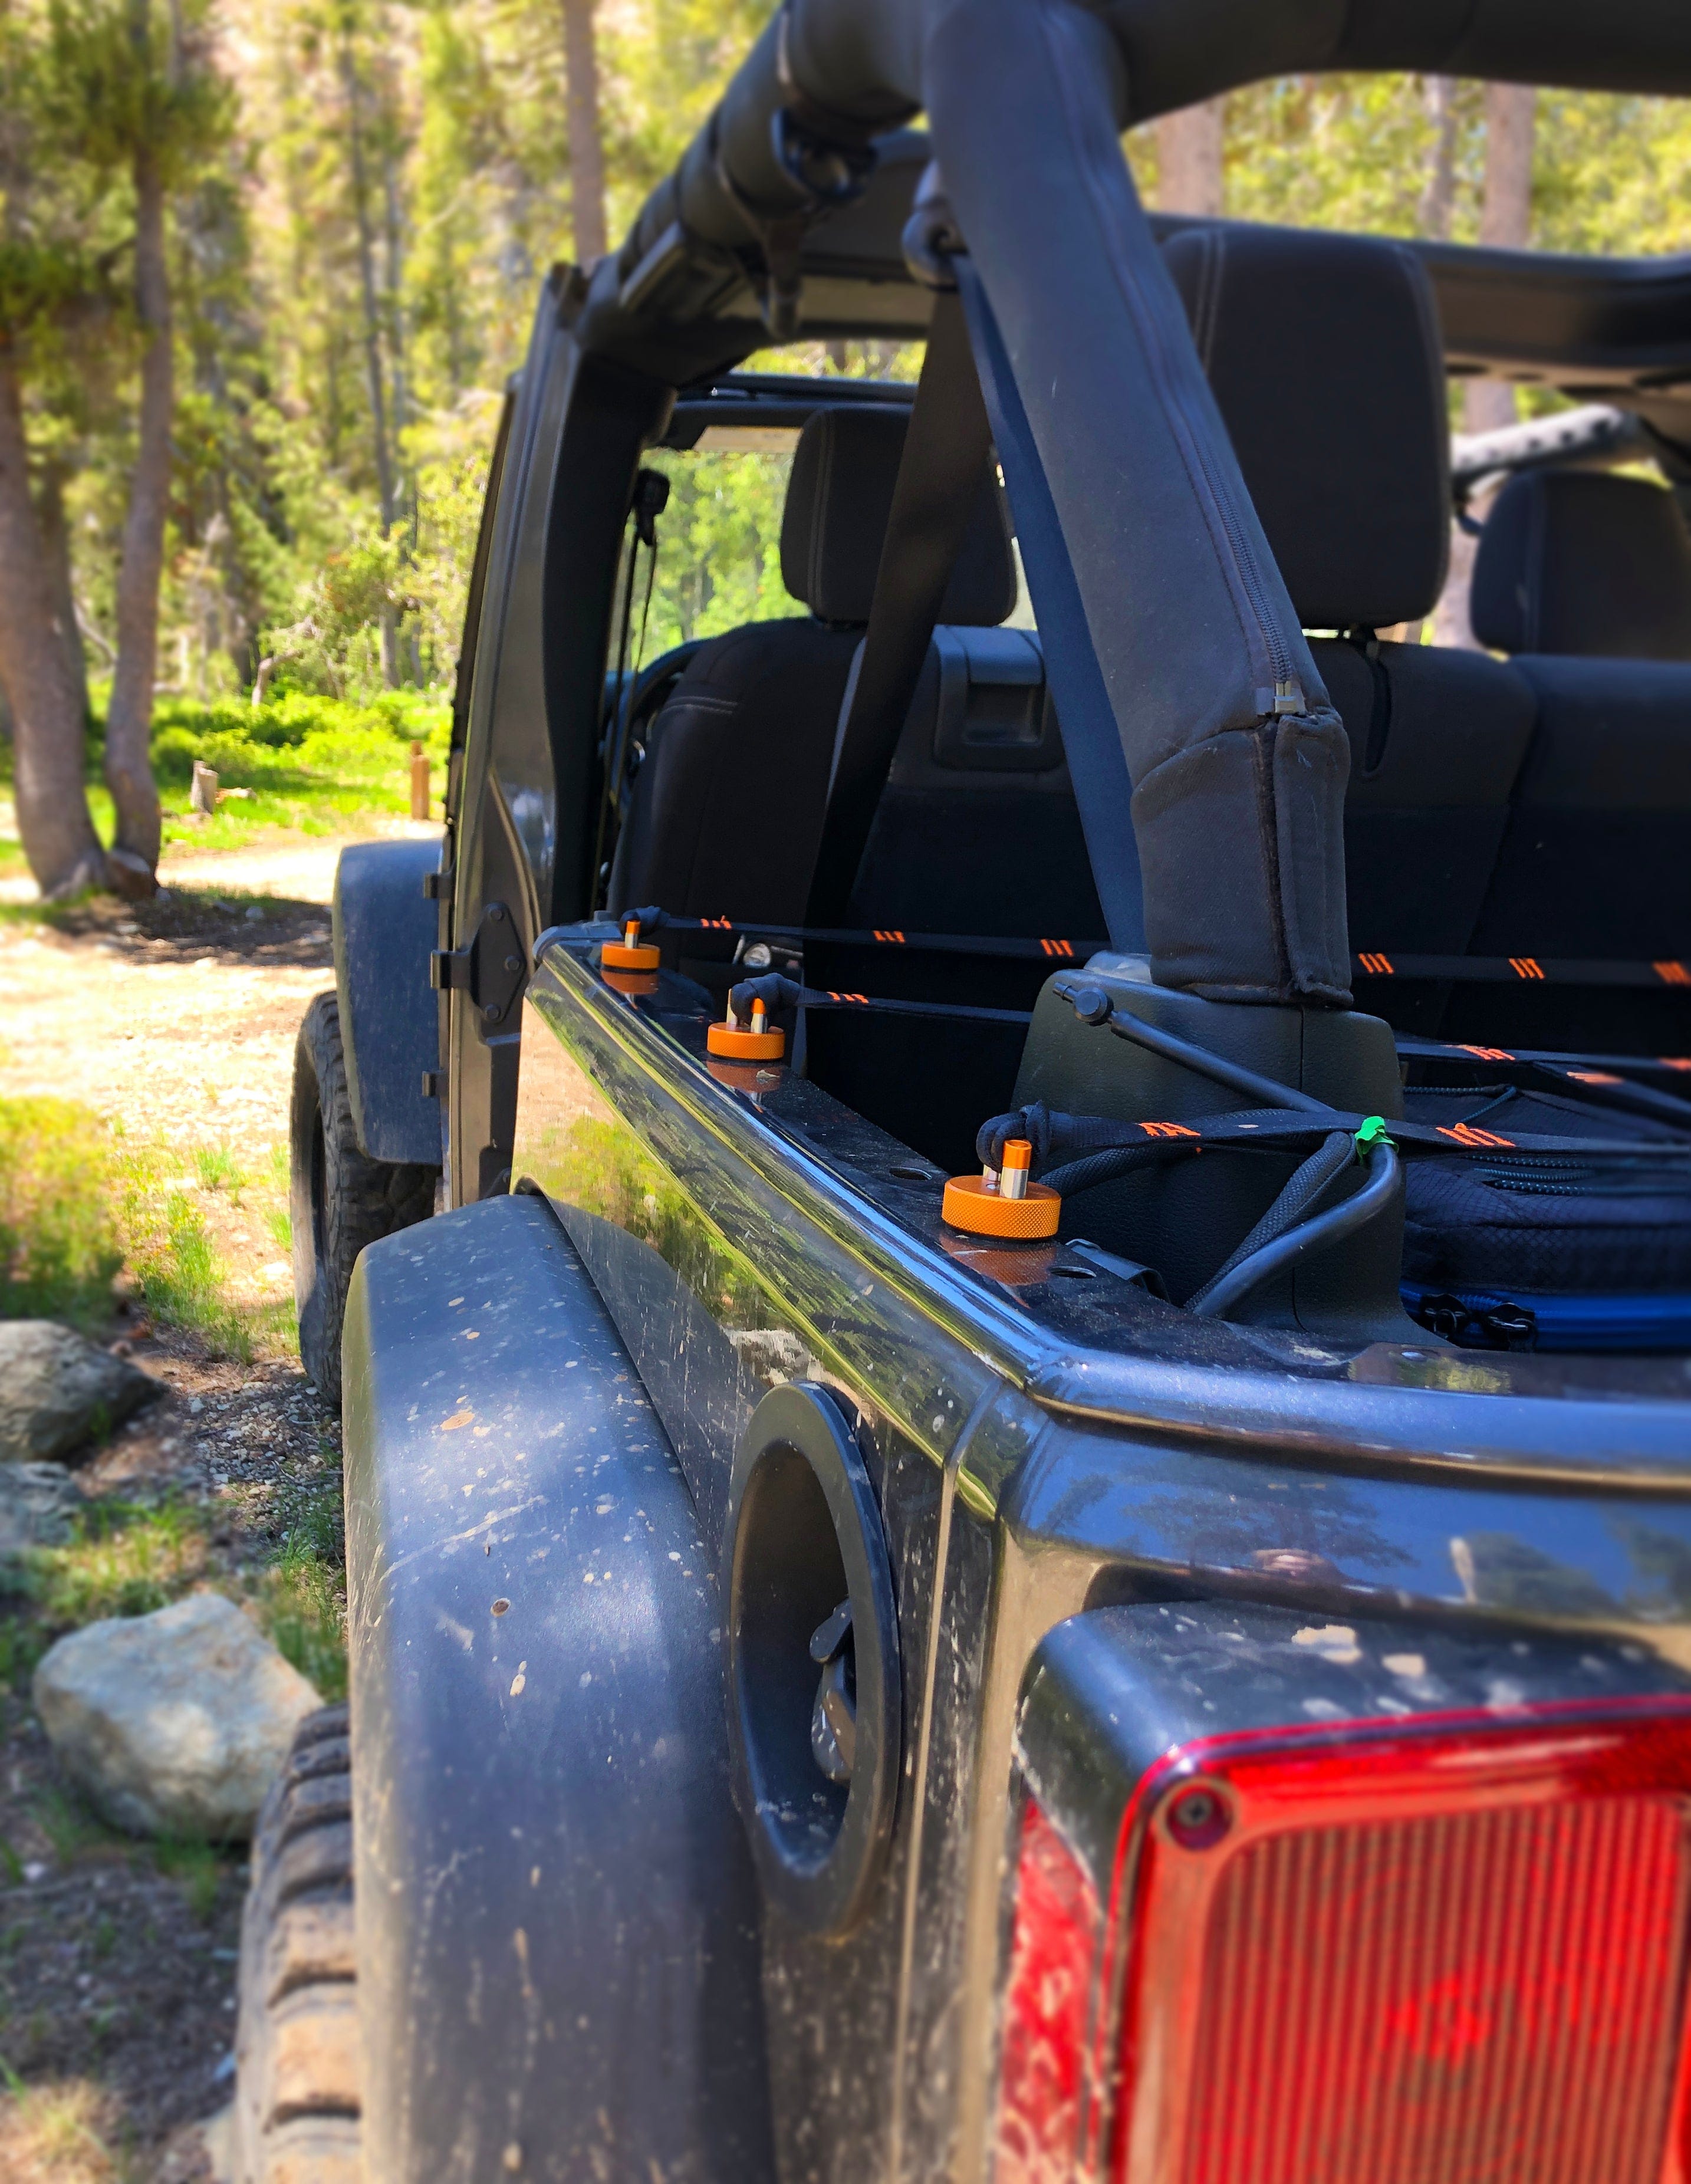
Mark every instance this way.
x=490 y=968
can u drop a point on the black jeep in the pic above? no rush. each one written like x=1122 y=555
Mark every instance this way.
x=1027 y=1512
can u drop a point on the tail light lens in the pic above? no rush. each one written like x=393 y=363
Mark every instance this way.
x=1454 y=1954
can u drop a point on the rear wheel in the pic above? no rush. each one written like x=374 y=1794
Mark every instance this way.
x=297 y=2092
x=340 y=1198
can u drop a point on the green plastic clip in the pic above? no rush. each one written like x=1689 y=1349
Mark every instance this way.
x=1373 y=1132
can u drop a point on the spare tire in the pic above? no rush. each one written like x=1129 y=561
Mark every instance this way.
x=297 y=2061
x=340 y=1200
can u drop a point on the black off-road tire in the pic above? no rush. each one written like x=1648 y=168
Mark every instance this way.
x=297 y=2064
x=340 y=1200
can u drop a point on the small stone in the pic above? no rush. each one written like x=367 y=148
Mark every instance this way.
x=57 y=1391
x=36 y=1504
x=173 y=1724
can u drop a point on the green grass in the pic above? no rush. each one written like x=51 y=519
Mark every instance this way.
x=79 y=1203
x=61 y=1245
x=21 y=1646
x=220 y=1171
x=317 y=765
x=122 y=1558
x=198 y=1867
x=303 y=1600
x=68 y=1826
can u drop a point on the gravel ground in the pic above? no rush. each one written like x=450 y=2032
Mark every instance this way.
x=117 y=1960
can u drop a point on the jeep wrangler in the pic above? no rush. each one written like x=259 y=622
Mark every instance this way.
x=1027 y=1512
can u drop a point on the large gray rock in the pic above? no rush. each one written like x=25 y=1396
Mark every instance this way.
x=173 y=1723
x=37 y=1502
x=58 y=1390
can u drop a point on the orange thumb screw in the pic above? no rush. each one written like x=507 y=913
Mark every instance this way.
x=753 y=1043
x=1004 y=1203
x=630 y=953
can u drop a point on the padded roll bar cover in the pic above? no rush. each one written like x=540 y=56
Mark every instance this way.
x=384 y=930
x=558 y=1937
x=1239 y=815
x=864 y=61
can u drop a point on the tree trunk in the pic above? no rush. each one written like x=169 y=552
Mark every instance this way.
x=586 y=151
x=1438 y=196
x=1189 y=177
x=47 y=721
x=1506 y=219
x=129 y=719
x=372 y=313
x=55 y=532
x=374 y=370
x=1505 y=223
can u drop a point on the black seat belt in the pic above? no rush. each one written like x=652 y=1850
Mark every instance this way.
x=939 y=479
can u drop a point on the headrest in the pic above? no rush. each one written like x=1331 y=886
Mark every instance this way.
x=1580 y=561
x=838 y=502
x=1323 y=353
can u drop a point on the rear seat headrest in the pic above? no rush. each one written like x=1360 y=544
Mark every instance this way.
x=838 y=502
x=1323 y=354
x=1580 y=561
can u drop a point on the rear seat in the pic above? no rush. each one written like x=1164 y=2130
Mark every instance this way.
x=978 y=829
x=1339 y=421
x=1574 y=570
x=1587 y=564
x=1344 y=447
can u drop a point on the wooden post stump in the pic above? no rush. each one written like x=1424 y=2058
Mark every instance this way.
x=420 y=782
x=203 y=795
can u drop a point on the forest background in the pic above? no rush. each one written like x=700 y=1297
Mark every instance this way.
x=265 y=266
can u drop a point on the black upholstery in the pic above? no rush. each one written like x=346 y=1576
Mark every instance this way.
x=1323 y=354
x=838 y=502
x=977 y=830
x=727 y=809
x=1437 y=741
x=1574 y=568
x=1597 y=858
x=1582 y=562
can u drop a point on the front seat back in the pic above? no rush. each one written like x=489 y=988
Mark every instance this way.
x=727 y=809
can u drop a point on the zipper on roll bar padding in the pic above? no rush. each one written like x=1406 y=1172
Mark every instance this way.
x=1282 y=682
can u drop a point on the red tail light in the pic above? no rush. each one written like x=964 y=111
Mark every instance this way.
x=1450 y=1955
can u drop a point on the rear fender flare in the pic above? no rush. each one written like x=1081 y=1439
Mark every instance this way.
x=384 y=930
x=558 y=1924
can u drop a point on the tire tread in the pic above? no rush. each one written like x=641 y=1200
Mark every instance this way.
x=296 y=2098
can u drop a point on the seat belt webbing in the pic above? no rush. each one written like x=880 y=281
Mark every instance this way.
x=933 y=501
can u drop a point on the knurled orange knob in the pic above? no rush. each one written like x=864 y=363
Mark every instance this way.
x=630 y=953
x=1006 y=1204
x=754 y=1042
